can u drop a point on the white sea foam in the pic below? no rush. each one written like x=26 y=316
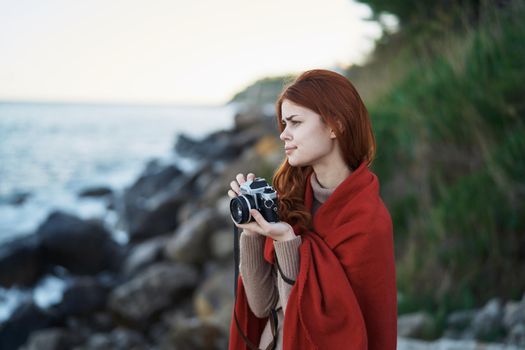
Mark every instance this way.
x=10 y=299
x=49 y=291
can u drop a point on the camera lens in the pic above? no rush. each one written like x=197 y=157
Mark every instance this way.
x=240 y=209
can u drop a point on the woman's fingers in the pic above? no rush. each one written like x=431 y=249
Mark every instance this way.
x=260 y=219
x=235 y=185
x=251 y=226
x=240 y=179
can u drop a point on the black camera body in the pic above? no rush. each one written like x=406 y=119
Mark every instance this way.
x=255 y=194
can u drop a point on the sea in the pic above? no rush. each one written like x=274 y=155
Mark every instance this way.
x=49 y=152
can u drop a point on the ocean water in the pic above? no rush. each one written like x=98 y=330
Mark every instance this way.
x=53 y=151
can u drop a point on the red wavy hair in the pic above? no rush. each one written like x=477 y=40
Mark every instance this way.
x=335 y=99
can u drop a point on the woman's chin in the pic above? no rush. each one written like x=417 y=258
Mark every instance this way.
x=293 y=162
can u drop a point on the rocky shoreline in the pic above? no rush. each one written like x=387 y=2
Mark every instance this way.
x=171 y=285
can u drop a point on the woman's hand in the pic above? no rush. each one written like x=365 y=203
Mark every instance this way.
x=280 y=231
x=235 y=191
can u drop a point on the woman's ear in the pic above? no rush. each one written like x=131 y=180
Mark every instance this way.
x=340 y=127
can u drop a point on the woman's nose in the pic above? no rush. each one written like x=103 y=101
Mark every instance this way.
x=284 y=135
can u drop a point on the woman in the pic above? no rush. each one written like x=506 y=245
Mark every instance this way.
x=324 y=276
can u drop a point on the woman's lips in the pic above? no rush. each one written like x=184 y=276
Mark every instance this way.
x=289 y=150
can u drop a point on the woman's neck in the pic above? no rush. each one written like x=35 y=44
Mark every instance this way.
x=331 y=175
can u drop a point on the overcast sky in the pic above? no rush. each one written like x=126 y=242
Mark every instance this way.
x=170 y=51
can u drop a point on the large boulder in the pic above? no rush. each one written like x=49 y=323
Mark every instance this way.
x=487 y=324
x=27 y=318
x=143 y=254
x=83 y=296
x=118 y=339
x=191 y=241
x=516 y=336
x=514 y=314
x=193 y=334
x=155 y=289
x=261 y=159
x=21 y=262
x=150 y=205
x=415 y=325
x=213 y=300
x=53 y=339
x=458 y=323
x=222 y=145
x=81 y=246
x=245 y=120
x=221 y=245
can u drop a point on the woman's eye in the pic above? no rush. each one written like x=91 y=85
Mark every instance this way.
x=293 y=122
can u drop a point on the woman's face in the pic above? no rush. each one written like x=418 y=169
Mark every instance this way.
x=307 y=140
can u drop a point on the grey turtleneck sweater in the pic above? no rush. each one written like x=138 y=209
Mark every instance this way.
x=264 y=286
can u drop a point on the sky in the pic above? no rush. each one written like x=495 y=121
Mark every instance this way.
x=170 y=51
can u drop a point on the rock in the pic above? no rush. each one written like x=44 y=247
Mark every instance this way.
x=415 y=325
x=144 y=254
x=448 y=344
x=271 y=150
x=21 y=262
x=155 y=289
x=458 y=322
x=15 y=198
x=85 y=325
x=53 y=339
x=221 y=244
x=513 y=314
x=206 y=176
x=190 y=243
x=216 y=146
x=151 y=203
x=214 y=298
x=461 y=319
x=118 y=339
x=97 y=191
x=189 y=333
x=27 y=318
x=83 y=296
x=159 y=330
x=82 y=247
x=487 y=323
x=244 y=121
x=223 y=145
x=250 y=161
x=516 y=336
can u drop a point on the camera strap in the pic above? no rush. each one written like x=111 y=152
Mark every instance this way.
x=273 y=317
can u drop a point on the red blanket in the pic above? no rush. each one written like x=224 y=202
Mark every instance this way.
x=345 y=294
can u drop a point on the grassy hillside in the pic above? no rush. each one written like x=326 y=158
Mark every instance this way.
x=450 y=127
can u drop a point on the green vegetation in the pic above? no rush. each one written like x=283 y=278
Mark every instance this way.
x=450 y=129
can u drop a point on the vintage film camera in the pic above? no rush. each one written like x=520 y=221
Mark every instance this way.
x=255 y=194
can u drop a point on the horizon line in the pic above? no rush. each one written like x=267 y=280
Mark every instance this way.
x=111 y=103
